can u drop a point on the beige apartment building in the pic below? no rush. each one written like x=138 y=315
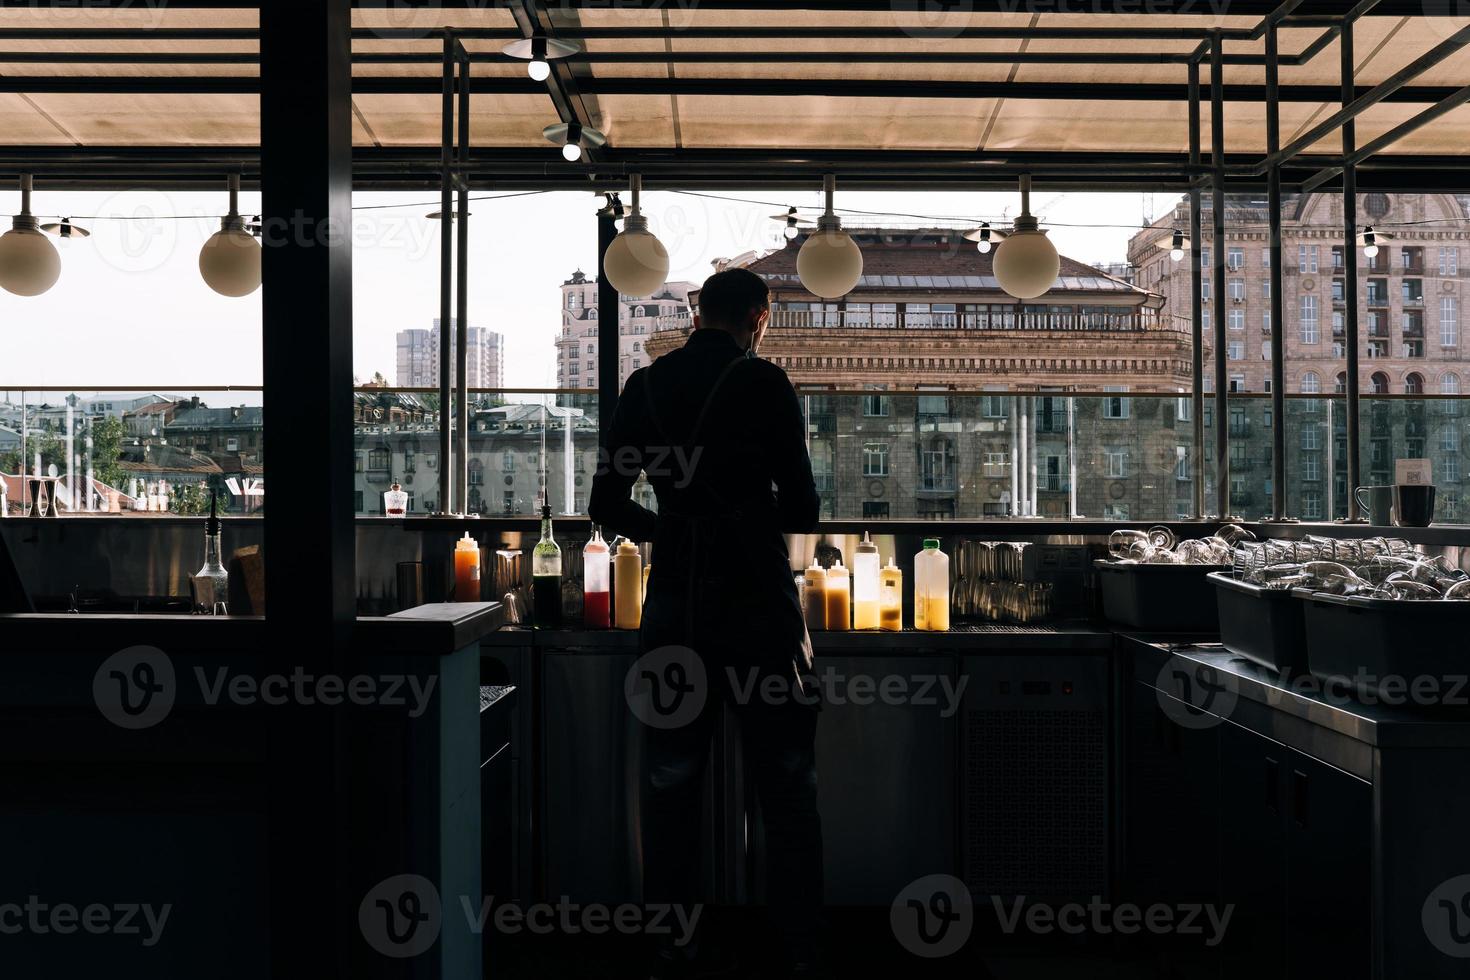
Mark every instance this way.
x=639 y=319
x=1410 y=296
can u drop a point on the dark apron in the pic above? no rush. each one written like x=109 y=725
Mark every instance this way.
x=732 y=614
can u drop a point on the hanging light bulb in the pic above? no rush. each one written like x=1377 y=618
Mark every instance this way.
x=983 y=237
x=636 y=263
x=539 y=52
x=230 y=259
x=1027 y=263
x=830 y=263
x=65 y=230
x=1369 y=240
x=1176 y=247
x=789 y=219
x=573 y=137
x=29 y=263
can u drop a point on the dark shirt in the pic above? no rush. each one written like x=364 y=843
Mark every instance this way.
x=750 y=461
x=721 y=579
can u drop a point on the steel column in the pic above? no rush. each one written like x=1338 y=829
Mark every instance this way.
x=1278 y=301
x=461 y=227
x=1196 y=306
x=1217 y=254
x=1350 y=272
x=446 y=280
x=608 y=329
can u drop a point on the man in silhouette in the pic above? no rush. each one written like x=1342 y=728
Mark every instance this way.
x=721 y=436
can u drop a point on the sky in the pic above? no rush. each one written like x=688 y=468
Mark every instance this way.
x=131 y=310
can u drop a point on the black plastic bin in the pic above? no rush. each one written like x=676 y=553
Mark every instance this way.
x=1159 y=598
x=1267 y=626
x=1382 y=648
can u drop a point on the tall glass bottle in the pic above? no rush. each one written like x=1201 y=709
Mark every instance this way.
x=596 y=582
x=546 y=576
x=211 y=584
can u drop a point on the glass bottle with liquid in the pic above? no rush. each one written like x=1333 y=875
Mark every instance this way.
x=865 y=585
x=814 y=597
x=628 y=584
x=931 y=588
x=890 y=598
x=596 y=583
x=211 y=584
x=395 y=502
x=839 y=597
x=546 y=576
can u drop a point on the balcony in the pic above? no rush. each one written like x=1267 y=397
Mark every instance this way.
x=1127 y=320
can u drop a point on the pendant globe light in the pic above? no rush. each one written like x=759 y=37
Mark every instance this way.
x=230 y=259
x=1026 y=263
x=636 y=262
x=29 y=263
x=830 y=262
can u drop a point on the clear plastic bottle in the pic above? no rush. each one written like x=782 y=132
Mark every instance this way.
x=865 y=585
x=628 y=584
x=546 y=576
x=931 y=588
x=839 y=597
x=596 y=583
x=890 y=598
x=814 y=597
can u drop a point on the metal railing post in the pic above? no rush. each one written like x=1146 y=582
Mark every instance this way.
x=1350 y=272
x=1278 y=301
x=1222 y=380
x=1197 y=307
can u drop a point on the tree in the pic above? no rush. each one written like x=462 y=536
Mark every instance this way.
x=107 y=438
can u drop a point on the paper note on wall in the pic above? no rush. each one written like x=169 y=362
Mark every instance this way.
x=1412 y=473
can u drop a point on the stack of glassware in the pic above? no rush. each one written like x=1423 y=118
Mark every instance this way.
x=1378 y=568
x=1160 y=546
x=990 y=584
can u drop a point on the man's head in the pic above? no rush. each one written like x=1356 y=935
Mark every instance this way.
x=738 y=302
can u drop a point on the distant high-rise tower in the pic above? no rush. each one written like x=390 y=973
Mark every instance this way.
x=418 y=358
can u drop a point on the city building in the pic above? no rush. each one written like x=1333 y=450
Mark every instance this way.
x=1409 y=302
x=930 y=393
x=638 y=321
x=418 y=357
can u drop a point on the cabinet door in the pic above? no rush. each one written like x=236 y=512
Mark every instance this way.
x=1329 y=826
x=1253 y=853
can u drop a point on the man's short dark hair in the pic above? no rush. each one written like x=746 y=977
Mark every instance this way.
x=728 y=297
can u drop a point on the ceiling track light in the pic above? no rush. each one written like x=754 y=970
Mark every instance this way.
x=636 y=263
x=830 y=263
x=539 y=51
x=29 y=262
x=230 y=259
x=1026 y=263
x=573 y=138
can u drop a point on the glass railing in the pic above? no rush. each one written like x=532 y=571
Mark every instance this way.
x=889 y=455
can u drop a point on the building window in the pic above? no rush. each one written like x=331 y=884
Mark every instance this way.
x=1378 y=384
x=1183 y=471
x=574 y=300
x=875 y=510
x=1237 y=383
x=1236 y=350
x=1307 y=256
x=1449 y=260
x=1113 y=406
x=1449 y=439
x=1414 y=384
x=1236 y=319
x=1449 y=384
x=1311 y=383
x=1309 y=319
x=1414 y=291
x=1265 y=289
x=875 y=459
x=1449 y=469
x=1311 y=437
x=937 y=466
x=1115 y=512
x=1312 y=505
x=1235 y=259
x=1339 y=386
x=993 y=406
x=1236 y=289
x=875 y=406
x=1183 y=409
x=1311 y=467
x=378 y=460
x=1117 y=463
x=1449 y=322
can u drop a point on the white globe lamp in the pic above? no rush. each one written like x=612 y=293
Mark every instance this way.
x=636 y=263
x=29 y=262
x=830 y=263
x=230 y=259
x=1026 y=263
